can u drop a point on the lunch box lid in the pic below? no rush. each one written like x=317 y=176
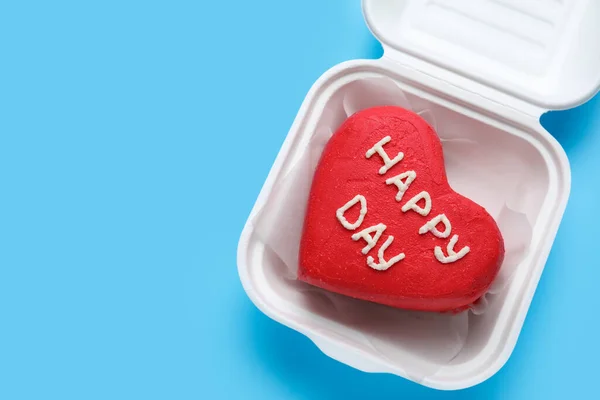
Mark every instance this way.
x=543 y=53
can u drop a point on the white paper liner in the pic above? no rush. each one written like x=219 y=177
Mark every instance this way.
x=425 y=341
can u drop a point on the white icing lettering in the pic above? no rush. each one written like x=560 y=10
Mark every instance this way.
x=431 y=226
x=383 y=264
x=452 y=255
x=365 y=234
x=412 y=204
x=410 y=176
x=387 y=162
x=342 y=210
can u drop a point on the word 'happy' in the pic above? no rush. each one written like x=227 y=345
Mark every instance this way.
x=372 y=234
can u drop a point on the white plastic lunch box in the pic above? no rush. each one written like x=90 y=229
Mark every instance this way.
x=488 y=69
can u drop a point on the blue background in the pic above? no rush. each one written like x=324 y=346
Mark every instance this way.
x=134 y=139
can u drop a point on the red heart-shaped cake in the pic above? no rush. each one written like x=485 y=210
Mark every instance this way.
x=384 y=225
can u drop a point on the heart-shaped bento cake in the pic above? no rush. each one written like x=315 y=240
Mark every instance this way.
x=384 y=225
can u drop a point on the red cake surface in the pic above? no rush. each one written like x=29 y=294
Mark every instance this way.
x=361 y=197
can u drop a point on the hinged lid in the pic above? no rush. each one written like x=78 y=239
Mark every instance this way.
x=543 y=52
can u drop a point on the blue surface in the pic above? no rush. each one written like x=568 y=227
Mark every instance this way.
x=134 y=139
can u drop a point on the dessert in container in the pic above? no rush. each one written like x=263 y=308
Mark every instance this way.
x=482 y=72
